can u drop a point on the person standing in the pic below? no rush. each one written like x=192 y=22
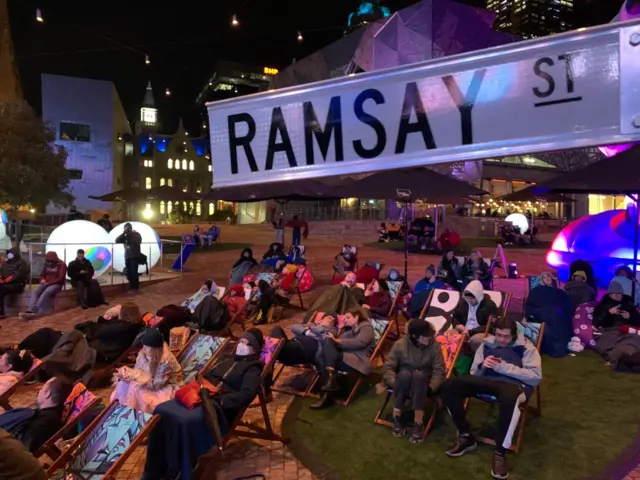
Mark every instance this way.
x=132 y=241
x=105 y=223
x=80 y=272
x=13 y=276
x=299 y=230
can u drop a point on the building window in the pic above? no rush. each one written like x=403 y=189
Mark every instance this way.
x=169 y=207
x=128 y=149
x=75 y=174
x=75 y=132
x=162 y=182
x=169 y=164
x=184 y=187
x=170 y=182
x=162 y=207
x=198 y=208
x=184 y=206
x=211 y=209
x=191 y=208
x=184 y=164
x=192 y=165
x=209 y=167
x=177 y=166
x=198 y=187
x=148 y=163
x=147 y=183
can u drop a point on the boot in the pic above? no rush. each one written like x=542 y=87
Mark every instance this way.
x=331 y=385
x=324 y=402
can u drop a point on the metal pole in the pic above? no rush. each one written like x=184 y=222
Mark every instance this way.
x=149 y=261
x=181 y=257
x=112 y=260
x=406 y=239
x=161 y=255
x=635 y=249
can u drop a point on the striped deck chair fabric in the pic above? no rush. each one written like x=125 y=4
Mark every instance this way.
x=197 y=354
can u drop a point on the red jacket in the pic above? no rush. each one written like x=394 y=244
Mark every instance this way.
x=53 y=274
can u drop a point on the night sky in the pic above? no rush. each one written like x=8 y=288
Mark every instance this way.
x=109 y=39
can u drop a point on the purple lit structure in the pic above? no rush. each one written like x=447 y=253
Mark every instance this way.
x=605 y=240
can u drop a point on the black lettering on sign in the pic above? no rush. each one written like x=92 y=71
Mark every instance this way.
x=278 y=125
x=413 y=103
x=244 y=142
x=551 y=83
x=465 y=102
x=373 y=122
x=312 y=128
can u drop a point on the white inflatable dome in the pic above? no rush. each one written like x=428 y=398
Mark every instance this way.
x=150 y=245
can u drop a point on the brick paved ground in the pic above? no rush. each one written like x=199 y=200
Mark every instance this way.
x=246 y=457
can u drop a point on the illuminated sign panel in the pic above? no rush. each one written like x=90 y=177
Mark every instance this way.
x=270 y=71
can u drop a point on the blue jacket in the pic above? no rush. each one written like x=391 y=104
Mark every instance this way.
x=425 y=284
x=520 y=363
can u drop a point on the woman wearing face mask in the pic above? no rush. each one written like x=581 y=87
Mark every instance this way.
x=349 y=351
x=182 y=435
x=394 y=276
x=154 y=379
x=449 y=269
x=377 y=299
x=415 y=370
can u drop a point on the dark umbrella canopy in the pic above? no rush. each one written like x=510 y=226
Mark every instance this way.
x=531 y=194
x=126 y=195
x=423 y=183
x=170 y=194
x=132 y=195
x=283 y=191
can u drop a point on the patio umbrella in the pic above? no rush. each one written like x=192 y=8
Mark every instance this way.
x=407 y=186
x=283 y=191
x=530 y=194
x=170 y=194
x=130 y=195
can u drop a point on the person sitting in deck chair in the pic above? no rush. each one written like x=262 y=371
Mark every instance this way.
x=183 y=434
x=14 y=365
x=154 y=379
x=345 y=260
x=377 y=299
x=473 y=312
x=396 y=276
x=415 y=369
x=33 y=427
x=475 y=268
x=507 y=367
x=235 y=302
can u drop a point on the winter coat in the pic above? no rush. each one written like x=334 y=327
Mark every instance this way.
x=486 y=307
x=54 y=271
x=15 y=270
x=211 y=314
x=579 y=292
x=336 y=298
x=552 y=306
x=603 y=319
x=407 y=356
x=379 y=303
x=76 y=266
x=168 y=373
x=110 y=338
x=132 y=242
x=355 y=344
x=428 y=285
x=520 y=363
x=469 y=270
x=33 y=427
x=450 y=271
x=41 y=342
x=242 y=258
x=16 y=463
x=71 y=358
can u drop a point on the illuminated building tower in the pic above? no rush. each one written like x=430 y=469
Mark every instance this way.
x=148 y=121
x=9 y=80
x=532 y=18
x=367 y=12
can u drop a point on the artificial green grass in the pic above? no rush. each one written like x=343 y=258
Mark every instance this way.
x=589 y=416
x=173 y=248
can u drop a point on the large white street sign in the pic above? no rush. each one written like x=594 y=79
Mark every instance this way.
x=566 y=91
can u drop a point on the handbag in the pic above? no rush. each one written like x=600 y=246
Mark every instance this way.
x=189 y=395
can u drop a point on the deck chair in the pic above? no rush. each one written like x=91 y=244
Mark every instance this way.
x=381 y=329
x=451 y=343
x=438 y=308
x=354 y=264
x=80 y=404
x=534 y=333
x=394 y=290
x=199 y=354
x=103 y=447
x=28 y=377
x=294 y=290
x=501 y=299
x=531 y=282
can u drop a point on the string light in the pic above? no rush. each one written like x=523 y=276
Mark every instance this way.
x=146 y=59
x=39 y=16
x=234 y=21
x=167 y=92
x=300 y=36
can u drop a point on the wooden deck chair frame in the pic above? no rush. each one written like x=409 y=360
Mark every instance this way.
x=68 y=454
x=393 y=314
x=378 y=420
x=360 y=376
x=50 y=448
x=29 y=376
x=504 y=308
x=525 y=407
x=278 y=310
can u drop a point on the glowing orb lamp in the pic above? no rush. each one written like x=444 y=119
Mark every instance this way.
x=150 y=245
x=91 y=237
x=518 y=220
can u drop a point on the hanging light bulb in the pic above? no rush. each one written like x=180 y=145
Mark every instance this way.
x=300 y=36
x=234 y=21
x=146 y=59
x=39 y=16
x=204 y=125
x=167 y=92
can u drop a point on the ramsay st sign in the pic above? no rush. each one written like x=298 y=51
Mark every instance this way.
x=566 y=91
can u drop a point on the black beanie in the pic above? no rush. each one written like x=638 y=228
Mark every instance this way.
x=420 y=328
x=255 y=338
x=152 y=338
x=208 y=283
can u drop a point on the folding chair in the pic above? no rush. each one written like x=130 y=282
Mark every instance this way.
x=78 y=405
x=501 y=299
x=381 y=329
x=278 y=310
x=28 y=377
x=102 y=449
x=354 y=263
x=534 y=332
x=199 y=354
x=451 y=343
x=531 y=282
x=439 y=307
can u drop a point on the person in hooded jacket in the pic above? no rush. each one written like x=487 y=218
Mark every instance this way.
x=472 y=313
x=242 y=266
x=183 y=435
x=615 y=309
x=415 y=370
x=13 y=276
x=52 y=280
x=579 y=289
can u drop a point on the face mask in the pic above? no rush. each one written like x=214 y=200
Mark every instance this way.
x=10 y=256
x=393 y=276
x=242 y=350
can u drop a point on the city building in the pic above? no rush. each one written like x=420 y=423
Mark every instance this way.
x=9 y=80
x=90 y=122
x=532 y=18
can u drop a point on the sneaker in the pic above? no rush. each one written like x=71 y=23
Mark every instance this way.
x=500 y=469
x=417 y=433
x=463 y=445
x=397 y=429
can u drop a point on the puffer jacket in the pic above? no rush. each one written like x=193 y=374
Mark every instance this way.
x=407 y=356
x=15 y=270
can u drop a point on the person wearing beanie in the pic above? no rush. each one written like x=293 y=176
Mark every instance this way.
x=615 y=309
x=579 y=289
x=415 y=370
x=237 y=382
x=429 y=282
x=378 y=299
x=154 y=379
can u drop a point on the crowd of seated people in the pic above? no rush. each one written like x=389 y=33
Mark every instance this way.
x=206 y=237
x=475 y=268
